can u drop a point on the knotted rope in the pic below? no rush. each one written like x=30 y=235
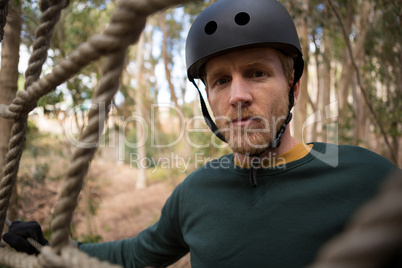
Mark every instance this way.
x=70 y=257
x=50 y=14
x=125 y=27
x=51 y=11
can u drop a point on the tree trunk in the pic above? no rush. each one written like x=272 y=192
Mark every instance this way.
x=347 y=68
x=315 y=82
x=141 y=173
x=166 y=60
x=301 y=107
x=361 y=22
x=9 y=85
x=326 y=74
x=359 y=106
x=315 y=130
x=395 y=144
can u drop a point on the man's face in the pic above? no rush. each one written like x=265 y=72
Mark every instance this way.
x=248 y=94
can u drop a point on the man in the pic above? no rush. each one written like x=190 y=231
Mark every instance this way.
x=273 y=202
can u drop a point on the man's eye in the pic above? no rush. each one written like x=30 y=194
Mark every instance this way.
x=259 y=74
x=222 y=81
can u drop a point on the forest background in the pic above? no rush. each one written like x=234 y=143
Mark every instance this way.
x=155 y=135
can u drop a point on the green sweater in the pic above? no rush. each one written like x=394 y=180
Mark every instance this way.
x=224 y=222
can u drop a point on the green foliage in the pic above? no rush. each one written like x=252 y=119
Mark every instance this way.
x=383 y=46
x=82 y=19
x=37 y=177
x=47 y=233
x=38 y=143
x=32 y=128
x=384 y=64
x=194 y=8
x=85 y=238
x=30 y=17
x=158 y=175
x=50 y=100
x=79 y=90
x=38 y=172
x=346 y=129
x=175 y=39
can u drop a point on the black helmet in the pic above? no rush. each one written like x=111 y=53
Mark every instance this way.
x=233 y=24
x=229 y=24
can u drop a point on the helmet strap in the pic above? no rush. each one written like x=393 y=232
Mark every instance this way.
x=207 y=117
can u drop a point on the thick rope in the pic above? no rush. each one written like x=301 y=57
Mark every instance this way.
x=50 y=14
x=70 y=257
x=11 y=258
x=117 y=37
x=51 y=11
x=81 y=159
x=129 y=12
x=3 y=17
x=127 y=23
x=374 y=236
x=13 y=157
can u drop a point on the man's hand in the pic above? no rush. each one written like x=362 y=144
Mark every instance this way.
x=18 y=233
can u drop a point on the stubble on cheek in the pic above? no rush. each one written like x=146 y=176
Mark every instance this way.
x=256 y=136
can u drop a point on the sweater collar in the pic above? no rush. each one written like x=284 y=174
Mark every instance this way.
x=297 y=152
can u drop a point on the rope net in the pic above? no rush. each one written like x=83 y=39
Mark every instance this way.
x=126 y=25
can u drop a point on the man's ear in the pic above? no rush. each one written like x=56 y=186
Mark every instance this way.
x=296 y=91
x=296 y=88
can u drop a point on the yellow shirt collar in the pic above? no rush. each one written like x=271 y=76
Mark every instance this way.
x=296 y=153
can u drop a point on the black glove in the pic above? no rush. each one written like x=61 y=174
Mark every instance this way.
x=18 y=233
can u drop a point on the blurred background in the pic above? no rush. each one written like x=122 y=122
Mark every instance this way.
x=155 y=135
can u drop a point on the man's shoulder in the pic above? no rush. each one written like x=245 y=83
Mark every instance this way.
x=358 y=153
x=350 y=155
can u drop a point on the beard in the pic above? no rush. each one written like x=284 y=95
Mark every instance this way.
x=260 y=129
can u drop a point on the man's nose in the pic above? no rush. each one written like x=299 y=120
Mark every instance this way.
x=240 y=92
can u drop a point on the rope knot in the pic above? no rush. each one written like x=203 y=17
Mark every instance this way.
x=20 y=107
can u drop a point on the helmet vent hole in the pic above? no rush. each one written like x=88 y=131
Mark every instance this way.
x=242 y=18
x=211 y=27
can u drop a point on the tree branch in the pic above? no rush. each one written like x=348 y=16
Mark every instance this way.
x=359 y=82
